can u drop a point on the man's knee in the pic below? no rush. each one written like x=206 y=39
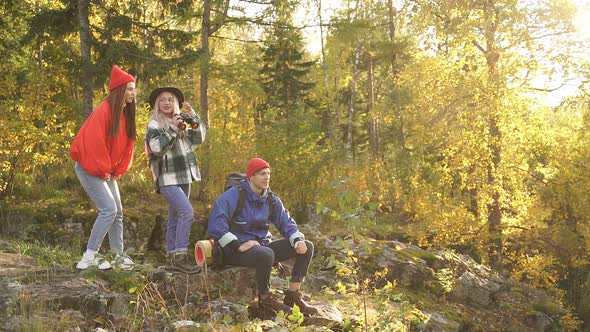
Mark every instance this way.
x=265 y=256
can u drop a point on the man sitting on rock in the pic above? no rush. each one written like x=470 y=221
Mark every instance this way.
x=246 y=240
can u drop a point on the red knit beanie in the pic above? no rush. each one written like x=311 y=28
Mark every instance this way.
x=254 y=165
x=119 y=77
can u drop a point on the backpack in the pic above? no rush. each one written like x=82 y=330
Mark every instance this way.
x=213 y=255
x=234 y=180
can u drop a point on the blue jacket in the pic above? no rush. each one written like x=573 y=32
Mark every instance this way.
x=252 y=219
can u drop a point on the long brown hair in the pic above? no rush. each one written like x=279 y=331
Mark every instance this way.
x=116 y=100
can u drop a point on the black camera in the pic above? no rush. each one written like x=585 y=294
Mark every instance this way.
x=194 y=122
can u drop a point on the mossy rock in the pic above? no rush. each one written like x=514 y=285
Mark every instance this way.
x=550 y=308
x=411 y=253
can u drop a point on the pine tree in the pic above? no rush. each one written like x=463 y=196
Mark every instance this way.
x=284 y=69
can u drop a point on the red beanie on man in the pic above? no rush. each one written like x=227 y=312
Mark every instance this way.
x=118 y=78
x=255 y=165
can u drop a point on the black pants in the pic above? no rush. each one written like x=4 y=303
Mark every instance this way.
x=263 y=257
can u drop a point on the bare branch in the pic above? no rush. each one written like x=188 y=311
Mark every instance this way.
x=545 y=89
x=476 y=44
x=564 y=83
x=261 y=22
x=237 y=39
x=220 y=20
x=257 y=2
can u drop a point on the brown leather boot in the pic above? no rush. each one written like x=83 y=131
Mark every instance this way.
x=182 y=263
x=294 y=297
x=270 y=303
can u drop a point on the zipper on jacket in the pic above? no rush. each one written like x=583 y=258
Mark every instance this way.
x=166 y=162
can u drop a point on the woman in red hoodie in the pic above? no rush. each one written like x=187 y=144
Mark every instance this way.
x=103 y=151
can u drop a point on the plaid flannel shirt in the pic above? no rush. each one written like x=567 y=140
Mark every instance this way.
x=172 y=160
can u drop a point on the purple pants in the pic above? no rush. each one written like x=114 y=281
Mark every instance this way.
x=180 y=217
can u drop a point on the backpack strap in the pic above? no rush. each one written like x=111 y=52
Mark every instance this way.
x=239 y=206
x=271 y=202
x=242 y=200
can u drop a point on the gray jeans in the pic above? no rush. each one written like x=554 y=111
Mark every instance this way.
x=107 y=199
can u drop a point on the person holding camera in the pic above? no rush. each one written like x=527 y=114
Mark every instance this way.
x=170 y=140
x=246 y=241
x=103 y=151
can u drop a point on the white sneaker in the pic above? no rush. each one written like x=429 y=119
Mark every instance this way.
x=88 y=261
x=124 y=262
x=105 y=265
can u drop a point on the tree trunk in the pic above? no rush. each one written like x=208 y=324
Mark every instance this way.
x=495 y=139
x=401 y=151
x=399 y=128
x=371 y=107
x=204 y=89
x=86 y=68
x=327 y=115
x=204 y=63
x=494 y=211
x=207 y=29
x=473 y=193
x=351 y=106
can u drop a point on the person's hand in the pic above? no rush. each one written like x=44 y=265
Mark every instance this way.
x=177 y=120
x=187 y=106
x=300 y=247
x=248 y=245
x=108 y=177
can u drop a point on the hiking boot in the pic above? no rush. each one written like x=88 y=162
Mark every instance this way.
x=181 y=262
x=91 y=260
x=270 y=303
x=294 y=297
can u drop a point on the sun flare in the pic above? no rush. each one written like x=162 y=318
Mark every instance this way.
x=582 y=19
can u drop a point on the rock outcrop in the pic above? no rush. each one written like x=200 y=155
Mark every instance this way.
x=442 y=291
